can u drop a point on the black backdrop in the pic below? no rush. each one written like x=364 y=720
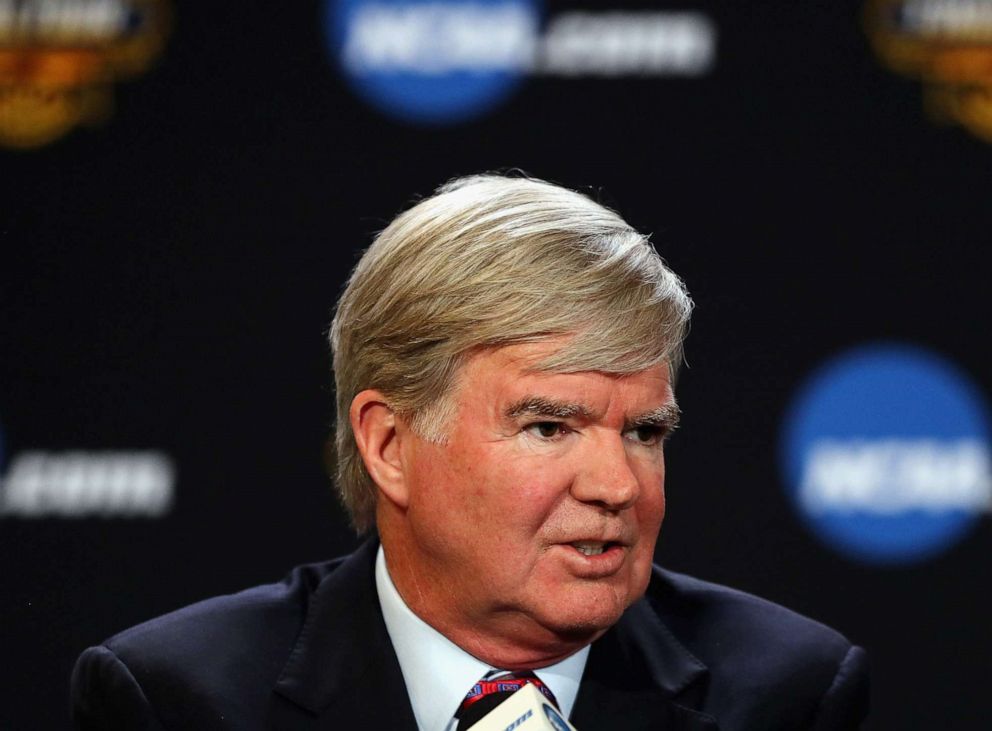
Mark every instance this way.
x=166 y=279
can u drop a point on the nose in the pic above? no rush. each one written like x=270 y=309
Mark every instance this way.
x=605 y=477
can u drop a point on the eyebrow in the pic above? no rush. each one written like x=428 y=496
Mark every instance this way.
x=540 y=406
x=666 y=417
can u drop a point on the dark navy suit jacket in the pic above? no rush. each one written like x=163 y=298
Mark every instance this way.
x=312 y=652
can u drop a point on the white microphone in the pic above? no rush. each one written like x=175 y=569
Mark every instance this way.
x=527 y=710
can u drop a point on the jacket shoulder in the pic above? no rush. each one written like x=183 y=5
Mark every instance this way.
x=706 y=613
x=762 y=657
x=220 y=656
x=266 y=613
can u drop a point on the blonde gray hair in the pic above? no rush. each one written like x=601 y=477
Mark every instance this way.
x=487 y=261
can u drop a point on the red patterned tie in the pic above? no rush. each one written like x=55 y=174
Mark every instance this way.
x=493 y=690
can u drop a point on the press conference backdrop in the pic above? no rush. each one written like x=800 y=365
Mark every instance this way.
x=186 y=186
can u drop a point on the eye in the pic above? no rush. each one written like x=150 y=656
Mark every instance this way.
x=648 y=435
x=546 y=429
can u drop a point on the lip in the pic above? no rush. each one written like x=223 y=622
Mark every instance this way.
x=600 y=566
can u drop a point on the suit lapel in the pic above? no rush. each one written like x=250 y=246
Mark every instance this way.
x=639 y=677
x=343 y=671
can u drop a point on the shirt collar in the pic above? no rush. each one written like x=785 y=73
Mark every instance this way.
x=438 y=673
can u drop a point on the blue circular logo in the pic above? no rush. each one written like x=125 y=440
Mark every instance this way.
x=433 y=61
x=556 y=720
x=886 y=454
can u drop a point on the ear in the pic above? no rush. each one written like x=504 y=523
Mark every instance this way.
x=373 y=423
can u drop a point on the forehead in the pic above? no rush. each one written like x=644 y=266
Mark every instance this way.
x=494 y=377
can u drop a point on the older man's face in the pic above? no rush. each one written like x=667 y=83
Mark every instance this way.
x=539 y=514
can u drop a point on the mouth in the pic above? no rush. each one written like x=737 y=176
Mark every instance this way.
x=593 y=560
x=593 y=548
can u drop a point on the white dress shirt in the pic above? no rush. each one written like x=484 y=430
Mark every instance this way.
x=439 y=674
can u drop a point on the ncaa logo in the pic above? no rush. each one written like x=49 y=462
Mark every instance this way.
x=886 y=454
x=433 y=61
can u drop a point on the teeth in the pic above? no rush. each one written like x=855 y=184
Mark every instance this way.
x=589 y=548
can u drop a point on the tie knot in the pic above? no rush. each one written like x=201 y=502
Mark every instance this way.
x=494 y=689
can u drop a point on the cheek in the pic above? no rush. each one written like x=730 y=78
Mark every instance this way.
x=517 y=479
x=650 y=514
x=490 y=490
x=443 y=500
x=658 y=505
x=651 y=506
x=540 y=492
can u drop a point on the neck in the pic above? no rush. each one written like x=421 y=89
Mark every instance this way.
x=505 y=639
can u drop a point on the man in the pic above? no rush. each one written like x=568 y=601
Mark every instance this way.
x=504 y=355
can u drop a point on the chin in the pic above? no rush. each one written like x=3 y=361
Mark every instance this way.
x=586 y=614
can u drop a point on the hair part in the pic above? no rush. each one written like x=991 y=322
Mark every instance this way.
x=489 y=261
